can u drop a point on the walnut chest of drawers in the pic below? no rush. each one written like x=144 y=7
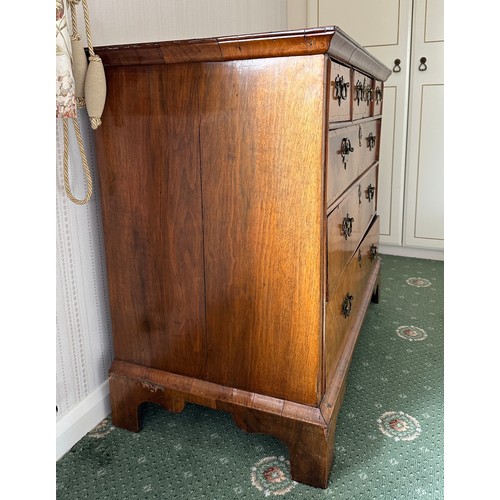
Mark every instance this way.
x=238 y=181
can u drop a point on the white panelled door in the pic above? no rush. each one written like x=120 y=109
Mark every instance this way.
x=411 y=155
x=424 y=218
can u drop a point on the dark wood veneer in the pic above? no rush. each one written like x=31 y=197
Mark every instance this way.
x=226 y=276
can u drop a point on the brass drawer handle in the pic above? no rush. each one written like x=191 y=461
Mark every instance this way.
x=345 y=149
x=360 y=91
x=340 y=89
x=373 y=251
x=347 y=226
x=378 y=95
x=397 y=66
x=370 y=192
x=371 y=139
x=347 y=305
x=422 y=66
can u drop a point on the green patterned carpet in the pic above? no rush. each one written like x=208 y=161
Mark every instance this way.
x=389 y=442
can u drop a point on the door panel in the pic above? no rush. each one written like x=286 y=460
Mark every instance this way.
x=424 y=223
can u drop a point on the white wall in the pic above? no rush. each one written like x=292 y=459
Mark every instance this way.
x=132 y=21
x=83 y=337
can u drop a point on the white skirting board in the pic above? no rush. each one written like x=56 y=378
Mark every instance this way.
x=82 y=418
x=418 y=253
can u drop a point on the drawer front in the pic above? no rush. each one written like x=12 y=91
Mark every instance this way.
x=351 y=150
x=347 y=224
x=344 y=160
x=339 y=93
x=378 y=95
x=345 y=303
x=362 y=86
x=367 y=253
x=369 y=139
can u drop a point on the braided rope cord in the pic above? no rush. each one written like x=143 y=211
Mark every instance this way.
x=74 y=22
x=85 y=165
x=88 y=31
x=80 y=103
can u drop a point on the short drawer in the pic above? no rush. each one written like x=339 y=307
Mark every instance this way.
x=347 y=224
x=362 y=86
x=345 y=304
x=378 y=94
x=351 y=150
x=339 y=93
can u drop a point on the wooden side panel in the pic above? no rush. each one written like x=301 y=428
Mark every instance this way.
x=262 y=190
x=149 y=168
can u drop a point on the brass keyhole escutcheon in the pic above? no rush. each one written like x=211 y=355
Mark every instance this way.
x=345 y=149
x=360 y=92
x=370 y=192
x=371 y=140
x=347 y=305
x=368 y=95
x=347 y=226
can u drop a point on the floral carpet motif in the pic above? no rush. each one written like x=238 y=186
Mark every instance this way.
x=389 y=438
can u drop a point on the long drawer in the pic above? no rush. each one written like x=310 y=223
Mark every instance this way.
x=345 y=304
x=348 y=222
x=351 y=150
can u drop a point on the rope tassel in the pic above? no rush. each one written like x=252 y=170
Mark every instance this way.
x=79 y=70
x=95 y=90
x=90 y=91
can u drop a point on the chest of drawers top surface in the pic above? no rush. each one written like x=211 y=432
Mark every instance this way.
x=329 y=40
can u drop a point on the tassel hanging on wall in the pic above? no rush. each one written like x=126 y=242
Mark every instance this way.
x=95 y=80
x=90 y=92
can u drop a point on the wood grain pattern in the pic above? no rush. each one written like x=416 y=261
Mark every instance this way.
x=329 y=40
x=151 y=203
x=302 y=428
x=262 y=192
x=218 y=171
